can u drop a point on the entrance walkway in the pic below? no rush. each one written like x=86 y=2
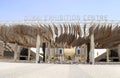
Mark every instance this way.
x=31 y=70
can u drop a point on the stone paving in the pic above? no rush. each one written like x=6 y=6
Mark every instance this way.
x=32 y=70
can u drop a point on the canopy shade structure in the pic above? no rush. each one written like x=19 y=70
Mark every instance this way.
x=106 y=35
x=61 y=35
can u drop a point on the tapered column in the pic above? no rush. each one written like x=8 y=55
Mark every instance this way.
x=63 y=54
x=46 y=54
x=49 y=57
x=77 y=55
x=119 y=51
x=75 y=58
x=15 y=52
x=3 y=49
x=85 y=50
x=56 y=53
x=108 y=55
x=37 y=49
x=60 y=53
x=18 y=54
x=92 y=46
x=28 y=54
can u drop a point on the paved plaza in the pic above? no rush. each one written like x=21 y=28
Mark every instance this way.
x=32 y=70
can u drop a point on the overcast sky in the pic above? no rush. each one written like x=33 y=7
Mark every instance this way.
x=18 y=9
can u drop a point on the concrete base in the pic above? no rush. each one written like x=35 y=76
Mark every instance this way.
x=32 y=70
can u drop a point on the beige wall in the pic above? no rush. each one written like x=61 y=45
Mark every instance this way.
x=69 y=52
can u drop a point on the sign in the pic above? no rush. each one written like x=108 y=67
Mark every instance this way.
x=78 y=51
x=60 y=51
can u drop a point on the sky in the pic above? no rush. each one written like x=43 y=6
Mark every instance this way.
x=19 y=9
